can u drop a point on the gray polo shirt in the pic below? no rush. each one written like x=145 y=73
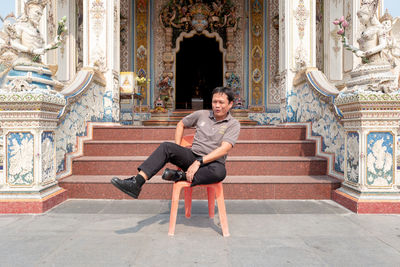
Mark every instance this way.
x=210 y=133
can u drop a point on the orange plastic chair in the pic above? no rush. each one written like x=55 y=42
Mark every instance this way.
x=213 y=190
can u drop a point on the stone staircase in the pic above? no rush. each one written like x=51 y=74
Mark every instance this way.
x=268 y=162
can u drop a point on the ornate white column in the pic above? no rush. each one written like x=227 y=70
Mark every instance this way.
x=101 y=47
x=371 y=121
x=333 y=58
x=66 y=56
x=296 y=43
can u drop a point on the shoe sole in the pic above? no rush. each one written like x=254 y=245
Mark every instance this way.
x=172 y=179
x=123 y=190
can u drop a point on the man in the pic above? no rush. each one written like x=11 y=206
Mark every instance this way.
x=216 y=133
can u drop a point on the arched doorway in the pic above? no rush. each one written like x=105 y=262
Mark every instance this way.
x=199 y=69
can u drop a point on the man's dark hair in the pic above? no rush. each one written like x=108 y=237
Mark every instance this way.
x=224 y=90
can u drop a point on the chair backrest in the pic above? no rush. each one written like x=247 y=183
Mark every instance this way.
x=187 y=140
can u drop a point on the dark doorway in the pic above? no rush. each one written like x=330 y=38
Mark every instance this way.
x=198 y=71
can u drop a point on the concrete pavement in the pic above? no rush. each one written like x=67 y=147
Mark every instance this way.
x=263 y=233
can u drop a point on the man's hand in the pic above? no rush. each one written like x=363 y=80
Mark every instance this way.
x=192 y=170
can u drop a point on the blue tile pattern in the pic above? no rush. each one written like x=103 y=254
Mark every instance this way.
x=380 y=159
x=353 y=157
x=48 y=153
x=95 y=105
x=20 y=155
x=303 y=105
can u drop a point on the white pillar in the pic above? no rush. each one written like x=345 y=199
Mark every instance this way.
x=297 y=42
x=66 y=56
x=101 y=47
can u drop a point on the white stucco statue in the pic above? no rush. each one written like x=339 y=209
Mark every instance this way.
x=21 y=45
x=375 y=73
x=373 y=38
x=392 y=49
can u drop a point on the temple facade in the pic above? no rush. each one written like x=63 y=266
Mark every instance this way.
x=285 y=60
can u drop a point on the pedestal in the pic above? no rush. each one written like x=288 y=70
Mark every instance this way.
x=371 y=121
x=28 y=120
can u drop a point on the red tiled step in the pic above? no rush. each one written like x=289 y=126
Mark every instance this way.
x=242 y=147
x=249 y=165
x=167 y=133
x=235 y=187
x=135 y=133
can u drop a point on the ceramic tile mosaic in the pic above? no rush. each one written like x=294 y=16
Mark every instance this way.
x=304 y=105
x=48 y=152
x=353 y=156
x=96 y=105
x=1 y=152
x=380 y=159
x=266 y=118
x=20 y=155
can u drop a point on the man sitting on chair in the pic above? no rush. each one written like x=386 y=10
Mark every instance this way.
x=204 y=163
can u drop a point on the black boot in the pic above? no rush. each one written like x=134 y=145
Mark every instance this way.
x=173 y=175
x=128 y=186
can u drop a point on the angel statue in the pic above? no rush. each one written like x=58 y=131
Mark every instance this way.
x=375 y=74
x=21 y=43
x=391 y=27
x=392 y=50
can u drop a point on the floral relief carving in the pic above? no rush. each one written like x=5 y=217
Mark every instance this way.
x=97 y=13
x=301 y=15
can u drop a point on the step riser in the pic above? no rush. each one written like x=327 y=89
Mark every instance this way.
x=135 y=133
x=231 y=191
x=305 y=149
x=234 y=168
x=130 y=133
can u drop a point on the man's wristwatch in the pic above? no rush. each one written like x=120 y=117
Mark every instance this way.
x=200 y=159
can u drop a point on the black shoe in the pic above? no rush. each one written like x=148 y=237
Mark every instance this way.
x=128 y=186
x=173 y=175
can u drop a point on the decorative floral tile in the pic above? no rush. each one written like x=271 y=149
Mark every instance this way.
x=266 y=118
x=380 y=159
x=304 y=105
x=353 y=156
x=48 y=152
x=97 y=105
x=20 y=155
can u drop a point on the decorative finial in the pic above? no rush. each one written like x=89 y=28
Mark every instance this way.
x=386 y=16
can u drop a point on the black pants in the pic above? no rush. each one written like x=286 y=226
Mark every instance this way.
x=182 y=157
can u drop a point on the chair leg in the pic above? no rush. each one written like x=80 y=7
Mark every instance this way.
x=222 y=211
x=174 y=208
x=188 y=201
x=211 y=201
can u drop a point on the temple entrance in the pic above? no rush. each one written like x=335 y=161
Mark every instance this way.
x=199 y=70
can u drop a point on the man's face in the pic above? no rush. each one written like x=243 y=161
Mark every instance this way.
x=220 y=105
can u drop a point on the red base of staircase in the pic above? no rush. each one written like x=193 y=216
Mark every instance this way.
x=237 y=187
x=364 y=206
x=33 y=205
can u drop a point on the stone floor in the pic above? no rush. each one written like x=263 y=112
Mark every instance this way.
x=263 y=233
